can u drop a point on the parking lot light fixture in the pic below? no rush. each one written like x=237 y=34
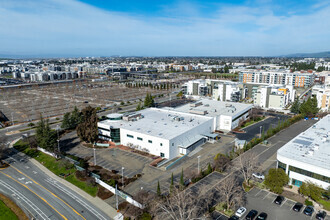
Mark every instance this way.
x=260 y=130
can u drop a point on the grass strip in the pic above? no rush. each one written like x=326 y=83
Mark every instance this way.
x=9 y=210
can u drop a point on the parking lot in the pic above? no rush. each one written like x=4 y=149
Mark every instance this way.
x=111 y=159
x=263 y=201
x=254 y=130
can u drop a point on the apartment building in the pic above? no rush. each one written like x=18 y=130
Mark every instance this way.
x=322 y=94
x=285 y=77
x=273 y=96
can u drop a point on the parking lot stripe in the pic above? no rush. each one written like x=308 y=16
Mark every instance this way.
x=266 y=196
x=258 y=192
x=283 y=201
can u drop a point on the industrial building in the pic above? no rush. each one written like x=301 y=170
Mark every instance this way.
x=160 y=132
x=226 y=115
x=306 y=157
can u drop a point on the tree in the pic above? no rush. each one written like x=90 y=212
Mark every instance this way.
x=159 y=193
x=172 y=184
x=209 y=169
x=231 y=191
x=66 y=121
x=247 y=163
x=181 y=179
x=311 y=190
x=149 y=101
x=139 y=107
x=46 y=137
x=3 y=149
x=295 y=107
x=71 y=120
x=87 y=129
x=276 y=179
x=309 y=108
x=180 y=94
x=221 y=162
x=181 y=205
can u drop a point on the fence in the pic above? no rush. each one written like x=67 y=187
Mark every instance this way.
x=169 y=166
x=120 y=193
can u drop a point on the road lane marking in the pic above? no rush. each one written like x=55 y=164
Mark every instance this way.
x=50 y=193
x=284 y=202
x=25 y=199
x=35 y=194
x=83 y=203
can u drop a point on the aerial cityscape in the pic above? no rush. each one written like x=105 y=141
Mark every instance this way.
x=164 y=110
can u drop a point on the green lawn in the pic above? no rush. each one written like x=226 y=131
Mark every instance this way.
x=326 y=204
x=6 y=213
x=56 y=166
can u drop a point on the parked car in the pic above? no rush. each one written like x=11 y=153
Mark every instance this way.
x=251 y=215
x=234 y=217
x=258 y=176
x=262 y=216
x=321 y=215
x=297 y=207
x=240 y=212
x=309 y=210
x=279 y=200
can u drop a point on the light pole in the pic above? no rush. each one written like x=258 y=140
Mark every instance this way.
x=94 y=157
x=198 y=157
x=122 y=175
x=260 y=131
x=12 y=117
x=58 y=139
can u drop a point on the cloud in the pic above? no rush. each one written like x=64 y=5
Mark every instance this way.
x=69 y=27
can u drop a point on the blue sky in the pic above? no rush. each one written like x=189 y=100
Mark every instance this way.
x=56 y=28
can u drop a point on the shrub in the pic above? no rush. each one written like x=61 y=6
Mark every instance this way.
x=307 y=202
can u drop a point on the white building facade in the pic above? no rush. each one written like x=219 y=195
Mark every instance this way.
x=306 y=157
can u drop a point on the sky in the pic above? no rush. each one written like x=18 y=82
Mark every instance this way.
x=64 y=28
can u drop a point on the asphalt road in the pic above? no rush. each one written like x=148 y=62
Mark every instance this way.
x=41 y=196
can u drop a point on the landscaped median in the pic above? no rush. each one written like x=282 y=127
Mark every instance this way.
x=9 y=210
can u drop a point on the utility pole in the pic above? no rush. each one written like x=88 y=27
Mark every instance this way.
x=260 y=131
x=122 y=175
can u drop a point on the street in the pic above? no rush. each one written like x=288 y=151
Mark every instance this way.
x=40 y=195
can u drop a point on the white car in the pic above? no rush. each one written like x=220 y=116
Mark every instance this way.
x=240 y=212
x=258 y=176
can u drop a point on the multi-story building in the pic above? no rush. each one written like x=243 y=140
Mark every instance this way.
x=273 y=97
x=221 y=90
x=322 y=94
x=296 y=79
x=306 y=157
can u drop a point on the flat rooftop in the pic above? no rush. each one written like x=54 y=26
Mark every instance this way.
x=214 y=108
x=312 y=146
x=160 y=123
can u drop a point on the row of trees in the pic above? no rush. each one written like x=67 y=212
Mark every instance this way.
x=85 y=122
x=162 y=86
x=307 y=108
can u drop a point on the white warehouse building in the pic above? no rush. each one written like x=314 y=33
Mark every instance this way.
x=226 y=115
x=160 y=132
x=306 y=157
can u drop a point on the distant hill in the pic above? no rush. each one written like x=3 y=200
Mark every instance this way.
x=311 y=55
